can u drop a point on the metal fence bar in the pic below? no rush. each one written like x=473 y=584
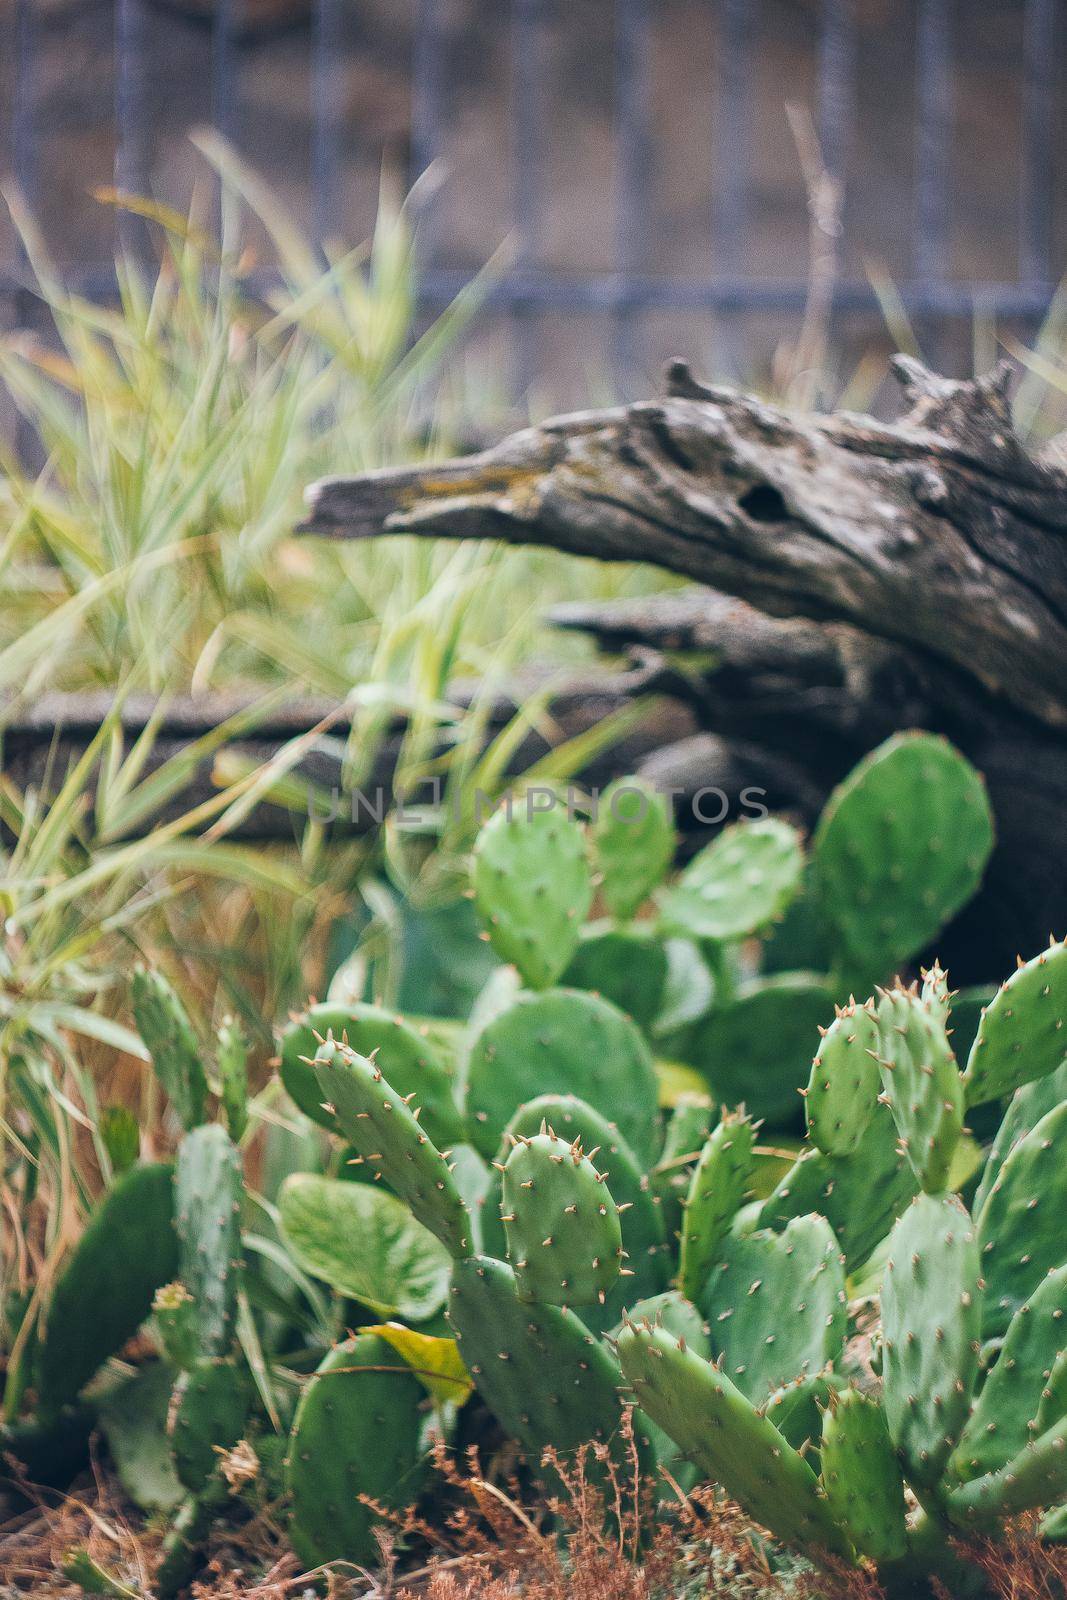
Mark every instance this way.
x=529 y=85
x=933 y=134
x=131 y=113
x=327 y=100
x=729 y=222
x=1036 y=177
x=633 y=100
x=836 y=83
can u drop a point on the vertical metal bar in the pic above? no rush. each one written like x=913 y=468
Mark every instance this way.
x=223 y=76
x=633 y=95
x=131 y=113
x=1036 y=178
x=729 y=222
x=24 y=108
x=529 y=89
x=837 y=74
x=427 y=109
x=327 y=93
x=933 y=134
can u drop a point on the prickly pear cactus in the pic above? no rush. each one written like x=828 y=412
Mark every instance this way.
x=861 y=1478
x=177 y=1324
x=408 y=1060
x=1023 y=1031
x=628 y=966
x=385 y=1128
x=208 y=1189
x=561 y=1042
x=844 y=1083
x=900 y=847
x=634 y=842
x=563 y=1228
x=532 y=888
x=208 y=1413
x=741 y=882
x=233 y=1076
x=717 y=1190
x=920 y=1083
x=1020 y=1225
x=755 y=1049
x=164 y=1025
x=931 y=1331
x=358 y=1430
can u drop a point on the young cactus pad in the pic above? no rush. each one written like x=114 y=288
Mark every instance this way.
x=1020 y=1225
x=844 y=1082
x=920 y=1083
x=563 y=1228
x=861 y=1477
x=384 y=1127
x=532 y=887
x=168 y=1035
x=357 y=1431
x=562 y=1042
x=408 y=1061
x=739 y=883
x=208 y=1189
x=628 y=966
x=900 y=847
x=1023 y=1031
x=208 y=1413
x=634 y=842
x=716 y=1191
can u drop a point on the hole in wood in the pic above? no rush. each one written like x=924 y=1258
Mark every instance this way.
x=763 y=504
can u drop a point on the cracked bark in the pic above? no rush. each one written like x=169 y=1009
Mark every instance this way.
x=861 y=577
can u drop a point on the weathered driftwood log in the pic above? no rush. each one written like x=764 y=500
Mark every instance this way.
x=880 y=576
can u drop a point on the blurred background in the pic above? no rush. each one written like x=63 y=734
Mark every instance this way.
x=665 y=176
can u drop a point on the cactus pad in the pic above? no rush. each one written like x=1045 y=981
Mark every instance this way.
x=844 y=1081
x=1034 y=1478
x=562 y=1042
x=357 y=1431
x=1008 y=1414
x=408 y=1061
x=920 y=1083
x=716 y=1191
x=104 y=1293
x=626 y=965
x=900 y=847
x=168 y=1035
x=756 y=1049
x=931 y=1324
x=208 y=1188
x=1020 y=1225
x=551 y=1384
x=1025 y=1109
x=861 y=1478
x=713 y=1424
x=776 y=1306
x=208 y=1412
x=563 y=1228
x=233 y=1076
x=633 y=842
x=738 y=884
x=387 y=1132
x=1023 y=1031
x=532 y=888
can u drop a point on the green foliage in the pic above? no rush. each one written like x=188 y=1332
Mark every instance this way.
x=1023 y=1031
x=564 y=1233
x=864 y=1489
x=920 y=1083
x=208 y=1188
x=233 y=1077
x=164 y=1025
x=717 y=1190
x=532 y=887
x=208 y=1412
x=121 y=1136
x=755 y=1049
x=633 y=844
x=739 y=884
x=627 y=966
x=843 y=1088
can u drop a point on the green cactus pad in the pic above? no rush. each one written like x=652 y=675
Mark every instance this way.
x=844 y=1082
x=365 y=1243
x=408 y=1061
x=177 y=1321
x=1020 y=1225
x=920 y=1083
x=643 y=1234
x=681 y=1319
x=738 y=884
x=1025 y=1109
x=776 y=1306
x=628 y=966
x=562 y=1042
x=861 y=1478
x=860 y=1196
x=133 y=1419
x=1008 y=1412
x=684 y=1137
x=104 y=1293
x=713 y=1424
x=387 y=1132
x=121 y=1137
x=550 y=1383
x=931 y=1324
x=532 y=888
x=633 y=841
x=1032 y=1480
x=755 y=1050
x=563 y=1228
x=164 y=1025
x=936 y=991
x=1053 y=1403
x=797 y=1409
x=208 y=1188
x=717 y=1190
x=1023 y=1031
x=233 y=1076
x=208 y=1413
x=357 y=1431
x=900 y=847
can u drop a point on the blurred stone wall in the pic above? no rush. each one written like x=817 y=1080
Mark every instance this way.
x=72 y=99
